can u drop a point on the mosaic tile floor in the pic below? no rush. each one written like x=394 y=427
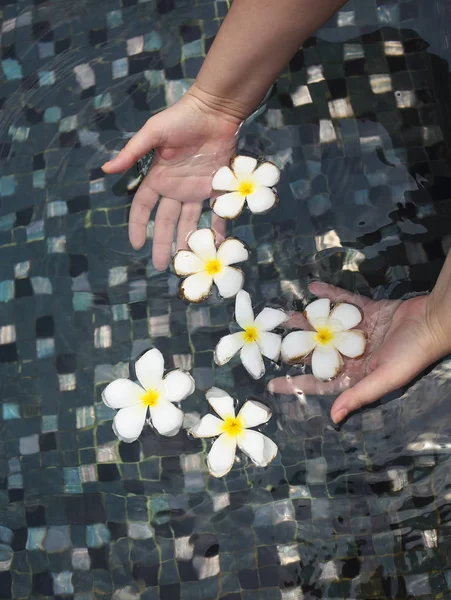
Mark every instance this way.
x=360 y=125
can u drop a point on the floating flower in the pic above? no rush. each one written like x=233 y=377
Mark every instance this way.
x=204 y=265
x=256 y=338
x=234 y=430
x=330 y=339
x=245 y=180
x=156 y=396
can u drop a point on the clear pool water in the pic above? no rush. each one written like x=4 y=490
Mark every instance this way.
x=360 y=125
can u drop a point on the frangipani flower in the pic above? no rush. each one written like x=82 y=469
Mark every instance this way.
x=155 y=395
x=330 y=339
x=256 y=338
x=204 y=265
x=245 y=180
x=234 y=430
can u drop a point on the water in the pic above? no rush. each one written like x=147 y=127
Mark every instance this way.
x=360 y=124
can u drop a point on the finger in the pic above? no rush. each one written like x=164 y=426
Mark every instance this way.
x=336 y=294
x=297 y=321
x=381 y=381
x=219 y=226
x=148 y=137
x=189 y=218
x=163 y=235
x=142 y=205
x=308 y=384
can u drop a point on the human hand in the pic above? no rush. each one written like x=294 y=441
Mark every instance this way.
x=192 y=140
x=402 y=342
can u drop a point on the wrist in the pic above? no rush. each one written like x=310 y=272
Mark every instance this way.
x=439 y=323
x=219 y=105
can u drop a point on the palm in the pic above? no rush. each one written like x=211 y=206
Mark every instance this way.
x=398 y=348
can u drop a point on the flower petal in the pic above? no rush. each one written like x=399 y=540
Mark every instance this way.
x=270 y=344
x=326 y=364
x=270 y=318
x=260 y=449
x=267 y=174
x=345 y=316
x=166 y=418
x=202 y=243
x=252 y=360
x=122 y=393
x=221 y=402
x=208 y=426
x=350 y=343
x=228 y=206
x=232 y=251
x=197 y=287
x=129 y=422
x=254 y=413
x=243 y=165
x=262 y=200
x=225 y=180
x=178 y=385
x=229 y=281
x=227 y=347
x=149 y=369
x=244 y=314
x=221 y=456
x=317 y=312
x=186 y=263
x=297 y=345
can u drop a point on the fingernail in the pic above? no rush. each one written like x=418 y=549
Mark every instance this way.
x=339 y=415
x=105 y=164
x=270 y=386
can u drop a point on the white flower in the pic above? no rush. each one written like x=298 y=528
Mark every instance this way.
x=255 y=340
x=156 y=396
x=330 y=339
x=234 y=430
x=245 y=180
x=204 y=265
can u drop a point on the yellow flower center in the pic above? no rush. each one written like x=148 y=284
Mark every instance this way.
x=246 y=188
x=232 y=426
x=213 y=266
x=324 y=335
x=250 y=334
x=150 y=398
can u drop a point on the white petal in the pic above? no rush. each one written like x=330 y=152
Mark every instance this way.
x=186 y=263
x=221 y=456
x=350 y=343
x=202 y=243
x=166 y=418
x=260 y=449
x=345 y=316
x=326 y=364
x=318 y=312
x=267 y=174
x=197 y=287
x=270 y=344
x=243 y=165
x=122 y=393
x=224 y=180
x=297 y=345
x=228 y=206
x=254 y=413
x=270 y=318
x=149 y=369
x=229 y=281
x=178 y=385
x=232 y=251
x=221 y=402
x=227 y=347
x=208 y=426
x=129 y=422
x=252 y=360
x=244 y=314
x=262 y=200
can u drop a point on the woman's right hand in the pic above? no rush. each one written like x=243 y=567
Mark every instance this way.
x=192 y=139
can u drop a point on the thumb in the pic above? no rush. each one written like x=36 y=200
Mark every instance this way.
x=148 y=137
